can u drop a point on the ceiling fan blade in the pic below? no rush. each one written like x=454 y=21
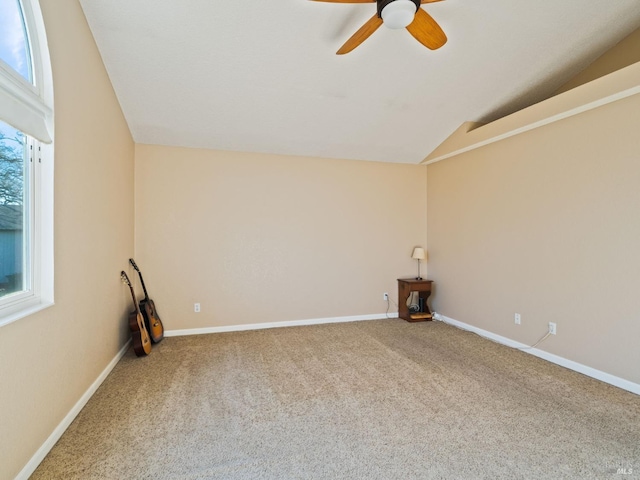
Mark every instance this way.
x=427 y=31
x=361 y=35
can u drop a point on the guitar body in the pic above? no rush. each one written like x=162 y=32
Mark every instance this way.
x=149 y=312
x=139 y=334
x=152 y=320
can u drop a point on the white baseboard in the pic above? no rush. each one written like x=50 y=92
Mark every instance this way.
x=46 y=447
x=563 y=362
x=291 y=323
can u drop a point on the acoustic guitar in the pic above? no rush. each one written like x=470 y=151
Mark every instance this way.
x=149 y=312
x=139 y=334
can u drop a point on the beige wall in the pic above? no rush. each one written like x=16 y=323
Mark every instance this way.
x=625 y=53
x=265 y=238
x=48 y=360
x=546 y=224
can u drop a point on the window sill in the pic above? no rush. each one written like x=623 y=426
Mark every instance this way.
x=22 y=310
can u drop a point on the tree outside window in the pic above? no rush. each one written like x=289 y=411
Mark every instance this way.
x=11 y=209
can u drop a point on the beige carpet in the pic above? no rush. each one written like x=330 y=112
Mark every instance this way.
x=367 y=400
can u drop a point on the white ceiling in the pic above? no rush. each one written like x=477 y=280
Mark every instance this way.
x=262 y=76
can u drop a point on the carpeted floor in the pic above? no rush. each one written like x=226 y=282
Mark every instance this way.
x=380 y=399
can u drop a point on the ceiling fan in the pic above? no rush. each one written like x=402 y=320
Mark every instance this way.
x=397 y=14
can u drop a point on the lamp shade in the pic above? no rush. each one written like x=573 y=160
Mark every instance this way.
x=398 y=14
x=418 y=254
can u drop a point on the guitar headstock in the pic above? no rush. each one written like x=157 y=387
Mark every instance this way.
x=125 y=278
x=133 y=264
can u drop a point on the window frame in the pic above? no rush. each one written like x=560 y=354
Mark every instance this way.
x=37 y=98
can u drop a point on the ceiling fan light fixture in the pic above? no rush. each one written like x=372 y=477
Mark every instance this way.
x=398 y=14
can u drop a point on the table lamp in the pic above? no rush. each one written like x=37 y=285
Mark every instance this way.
x=418 y=254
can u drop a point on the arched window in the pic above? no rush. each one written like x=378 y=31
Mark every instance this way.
x=26 y=162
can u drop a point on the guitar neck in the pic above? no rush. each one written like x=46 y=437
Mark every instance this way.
x=144 y=289
x=135 y=302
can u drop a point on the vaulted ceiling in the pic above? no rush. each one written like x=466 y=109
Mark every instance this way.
x=262 y=76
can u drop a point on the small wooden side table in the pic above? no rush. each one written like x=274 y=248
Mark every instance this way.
x=405 y=287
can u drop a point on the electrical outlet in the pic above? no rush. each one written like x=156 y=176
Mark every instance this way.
x=517 y=318
x=385 y=297
x=196 y=307
x=552 y=328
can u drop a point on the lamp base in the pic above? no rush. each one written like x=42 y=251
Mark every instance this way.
x=418 y=278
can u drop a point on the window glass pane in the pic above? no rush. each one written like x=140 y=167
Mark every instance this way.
x=13 y=209
x=14 y=46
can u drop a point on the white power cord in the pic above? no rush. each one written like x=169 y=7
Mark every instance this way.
x=535 y=344
x=389 y=306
